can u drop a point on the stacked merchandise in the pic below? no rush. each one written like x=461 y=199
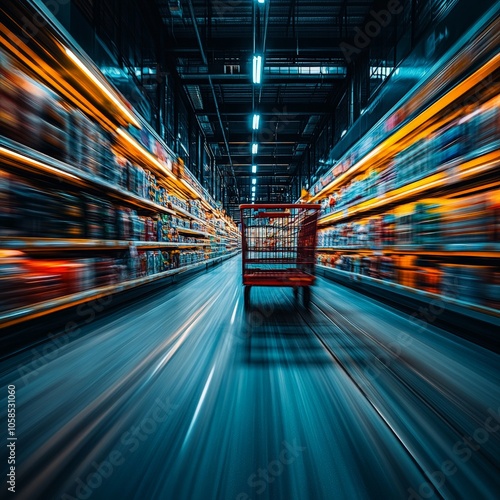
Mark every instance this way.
x=360 y=189
x=181 y=222
x=32 y=280
x=469 y=223
x=476 y=216
x=166 y=229
x=89 y=147
x=191 y=257
x=473 y=134
x=413 y=163
x=405 y=226
x=197 y=226
x=25 y=210
x=141 y=263
x=169 y=228
x=28 y=211
x=30 y=114
x=174 y=201
x=427 y=220
x=33 y=116
x=38 y=124
x=450 y=142
x=387 y=180
x=101 y=219
x=465 y=282
x=196 y=209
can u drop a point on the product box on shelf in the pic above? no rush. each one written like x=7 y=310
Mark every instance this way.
x=107 y=271
x=54 y=127
x=124 y=224
x=468 y=223
x=122 y=167
x=464 y=282
x=150 y=226
x=138 y=227
x=101 y=218
x=137 y=181
x=12 y=269
x=28 y=113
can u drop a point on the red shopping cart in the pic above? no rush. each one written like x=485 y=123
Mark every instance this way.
x=279 y=247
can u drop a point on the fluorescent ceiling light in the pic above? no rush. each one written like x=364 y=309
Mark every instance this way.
x=255 y=123
x=254 y=181
x=254 y=169
x=261 y=1
x=257 y=68
x=255 y=148
x=253 y=189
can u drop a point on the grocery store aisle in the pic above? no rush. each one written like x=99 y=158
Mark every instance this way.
x=189 y=396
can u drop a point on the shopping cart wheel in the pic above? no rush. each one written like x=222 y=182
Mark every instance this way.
x=306 y=296
x=246 y=294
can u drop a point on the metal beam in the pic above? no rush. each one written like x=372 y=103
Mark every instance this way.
x=268 y=79
x=284 y=112
x=205 y=61
x=326 y=45
x=268 y=159
x=236 y=139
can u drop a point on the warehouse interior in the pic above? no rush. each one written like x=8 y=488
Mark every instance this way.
x=249 y=249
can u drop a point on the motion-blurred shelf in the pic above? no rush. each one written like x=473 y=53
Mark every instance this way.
x=404 y=135
x=187 y=230
x=22 y=156
x=41 y=244
x=444 y=181
x=188 y=214
x=453 y=305
x=443 y=251
x=9 y=318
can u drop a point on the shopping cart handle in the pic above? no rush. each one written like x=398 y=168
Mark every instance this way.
x=271 y=215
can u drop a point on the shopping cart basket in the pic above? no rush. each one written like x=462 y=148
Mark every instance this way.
x=278 y=246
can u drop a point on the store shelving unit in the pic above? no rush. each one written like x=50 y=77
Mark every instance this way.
x=172 y=225
x=416 y=297
x=18 y=315
x=44 y=244
x=415 y=203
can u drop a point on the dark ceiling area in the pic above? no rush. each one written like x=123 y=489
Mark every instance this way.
x=304 y=76
x=188 y=67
